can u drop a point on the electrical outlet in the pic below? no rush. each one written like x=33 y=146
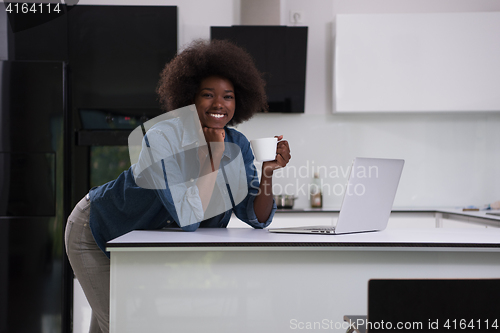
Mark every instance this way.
x=296 y=16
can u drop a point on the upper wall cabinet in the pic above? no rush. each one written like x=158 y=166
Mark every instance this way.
x=417 y=62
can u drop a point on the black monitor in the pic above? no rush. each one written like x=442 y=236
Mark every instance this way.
x=117 y=53
x=280 y=53
x=433 y=305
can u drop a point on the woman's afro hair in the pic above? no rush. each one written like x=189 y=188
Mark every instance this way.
x=181 y=77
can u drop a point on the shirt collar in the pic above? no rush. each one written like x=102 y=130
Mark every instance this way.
x=227 y=150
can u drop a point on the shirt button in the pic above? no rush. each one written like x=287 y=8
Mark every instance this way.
x=191 y=180
x=168 y=221
x=196 y=143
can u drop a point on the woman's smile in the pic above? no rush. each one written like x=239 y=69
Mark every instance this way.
x=216 y=115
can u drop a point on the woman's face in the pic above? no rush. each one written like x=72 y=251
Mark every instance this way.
x=215 y=102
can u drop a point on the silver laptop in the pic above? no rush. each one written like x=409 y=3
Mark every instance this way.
x=368 y=198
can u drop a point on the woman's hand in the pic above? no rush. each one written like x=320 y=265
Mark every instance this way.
x=263 y=203
x=215 y=141
x=214 y=134
x=282 y=157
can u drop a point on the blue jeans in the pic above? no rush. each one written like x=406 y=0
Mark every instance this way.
x=90 y=265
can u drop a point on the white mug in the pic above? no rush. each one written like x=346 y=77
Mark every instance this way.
x=264 y=149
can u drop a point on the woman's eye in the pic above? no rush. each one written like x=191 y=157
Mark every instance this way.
x=229 y=97
x=207 y=95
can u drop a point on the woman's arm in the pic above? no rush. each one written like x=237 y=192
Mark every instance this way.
x=263 y=202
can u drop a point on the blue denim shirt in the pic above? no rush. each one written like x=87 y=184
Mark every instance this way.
x=121 y=206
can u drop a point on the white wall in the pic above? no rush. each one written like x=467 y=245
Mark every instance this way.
x=260 y=12
x=450 y=159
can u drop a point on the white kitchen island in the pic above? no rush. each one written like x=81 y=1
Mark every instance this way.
x=246 y=280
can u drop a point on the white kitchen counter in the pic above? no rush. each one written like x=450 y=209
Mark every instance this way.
x=233 y=239
x=245 y=280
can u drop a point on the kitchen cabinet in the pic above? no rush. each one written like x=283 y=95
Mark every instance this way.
x=419 y=62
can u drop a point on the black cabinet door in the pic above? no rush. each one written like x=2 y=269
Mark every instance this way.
x=32 y=216
x=117 y=53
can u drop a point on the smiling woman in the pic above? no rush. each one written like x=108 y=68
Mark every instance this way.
x=222 y=82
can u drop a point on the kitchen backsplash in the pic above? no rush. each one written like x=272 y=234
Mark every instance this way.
x=451 y=159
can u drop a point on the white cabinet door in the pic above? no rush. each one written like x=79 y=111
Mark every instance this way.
x=417 y=62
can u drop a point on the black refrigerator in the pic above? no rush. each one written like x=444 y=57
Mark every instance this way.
x=33 y=199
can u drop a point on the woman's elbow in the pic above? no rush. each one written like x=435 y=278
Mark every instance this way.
x=191 y=227
x=260 y=225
